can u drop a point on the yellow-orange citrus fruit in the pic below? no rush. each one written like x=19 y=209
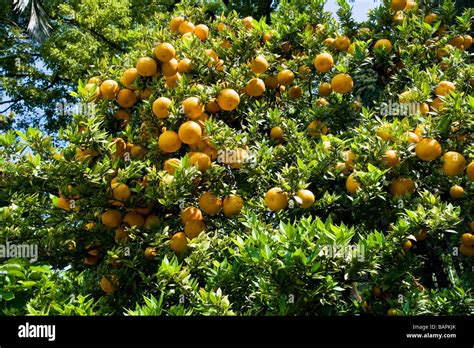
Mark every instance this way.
x=421 y=234
x=137 y=151
x=271 y=82
x=151 y=220
x=176 y=22
x=259 y=65
x=307 y=198
x=407 y=245
x=391 y=158
x=161 y=107
x=444 y=88
x=456 y=191
x=437 y=104
x=169 y=141
x=121 y=192
x=342 y=43
x=255 y=87
x=285 y=77
x=121 y=235
x=146 y=66
x=385 y=43
x=276 y=133
x=342 y=83
x=190 y=132
x=228 y=99
x=325 y=89
x=111 y=218
x=323 y=62
x=172 y=81
x=186 y=27
x=248 y=22
x=109 y=89
x=467 y=239
x=126 y=98
x=209 y=203
x=470 y=171
x=430 y=18
x=411 y=137
x=295 y=92
x=317 y=128
x=107 y=285
x=398 y=5
x=150 y=253
x=411 y=5
x=193 y=228
x=266 y=37
x=179 y=243
x=170 y=68
x=212 y=106
x=329 y=42
x=193 y=107
x=232 y=205
x=190 y=213
x=276 y=199
x=428 y=149
x=398 y=17
x=466 y=251
x=63 y=203
x=467 y=42
x=453 y=163
x=185 y=66
x=351 y=184
x=134 y=219
x=201 y=160
x=128 y=77
x=201 y=31
x=401 y=187
x=171 y=164
x=88 y=87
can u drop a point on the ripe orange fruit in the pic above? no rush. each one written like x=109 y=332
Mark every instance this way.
x=398 y=17
x=121 y=192
x=466 y=251
x=391 y=158
x=384 y=43
x=88 y=87
x=342 y=83
x=276 y=133
x=111 y=218
x=444 y=88
x=109 y=286
x=170 y=68
x=437 y=104
x=407 y=245
x=121 y=235
x=176 y=22
x=351 y=184
x=295 y=92
x=144 y=93
x=109 y=89
x=169 y=141
x=401 y=187
x=212 y=106
x=171 y=164
x=63 y=203
x=186 y=27
x=210 y=203
x=179 y=243
x=259 y=65
x=150 y=253
x=428 y=149
x=190 y=132
x=128 y=77
x=304 y=71
x=161 y=107
x=421 y=234
x=392 y=312
x=255 y=87
x=307 y=198
x=431 y=18
x=134 y=219
x=271 y=82
x=285 y=77
x=467 y=42
x=126 y=98
x=193 y=228
x=411 y=137
x=398 y=5
x=248 y=22
x=453 y=163
x=470 y=171
x=137 y=151
x=200 y=159
x=190 y=214
x=456 y=191
x=329 y=42
x=184 y=66
x=342 y=43
x=411 y=5
x=151 y=220
x=201 y=31
x=325 y=89
x=193 y=107
x=316 y=128
x=232 y=205
x=323 y=62
x=228 y=99
x=467 y=239
x=267 y=36
x=172 y=81
x=146 y=66
x=276 y=199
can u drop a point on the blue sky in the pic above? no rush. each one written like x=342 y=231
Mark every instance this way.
x=359 y=7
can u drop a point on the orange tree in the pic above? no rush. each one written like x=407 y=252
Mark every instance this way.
x=229 y=165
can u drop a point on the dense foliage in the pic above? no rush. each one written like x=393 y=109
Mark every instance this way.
x=296 y=165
